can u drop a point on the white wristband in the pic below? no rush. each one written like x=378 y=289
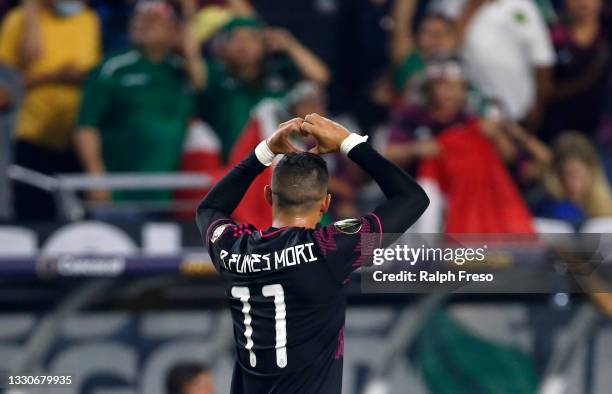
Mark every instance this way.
x=352 y=141
x=264 y=154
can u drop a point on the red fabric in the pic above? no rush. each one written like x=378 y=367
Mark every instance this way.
x=206 y=158
x=199 y=161
x=481 y=196
x=253 y=208
x=201 y=153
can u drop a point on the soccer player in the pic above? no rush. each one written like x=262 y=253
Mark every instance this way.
x=285 y=284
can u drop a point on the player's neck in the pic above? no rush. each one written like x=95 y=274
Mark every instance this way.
x=295 y=220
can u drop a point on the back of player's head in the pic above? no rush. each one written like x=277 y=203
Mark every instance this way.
x=182 y=374
x=299 y=181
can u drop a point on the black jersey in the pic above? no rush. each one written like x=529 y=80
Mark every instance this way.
x=286 y=285
x=287 y=296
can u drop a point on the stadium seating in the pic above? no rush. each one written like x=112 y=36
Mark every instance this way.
x=552 y=226
x=17 y=241
x=597 y=225
x=91 y=238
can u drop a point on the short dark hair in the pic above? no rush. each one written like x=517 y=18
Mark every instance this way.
x=299 y=181
x=181 y=374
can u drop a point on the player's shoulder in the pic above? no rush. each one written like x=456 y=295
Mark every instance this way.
x=224 y=229
x=275 y=232
x=215 y=232
x=351 y=226
x=349 y=231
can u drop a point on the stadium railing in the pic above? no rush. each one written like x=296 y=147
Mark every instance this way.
x=65 y=188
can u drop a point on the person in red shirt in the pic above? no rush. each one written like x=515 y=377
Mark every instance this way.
x=462 y=160
x=414 y=127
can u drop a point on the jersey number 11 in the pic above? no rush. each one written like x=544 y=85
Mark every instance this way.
x=243 y=294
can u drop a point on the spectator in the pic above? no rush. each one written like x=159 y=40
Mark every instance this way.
x=470 y=176
x=53 y=43
x=526 y=155
x=578 y=186
x=245 y=72
x=136 y=104
x=10 y=99
x=584 y=54
x=414 y=127
x=435 y=38
x=190 y=379
x=508 y=54
x=461 y=160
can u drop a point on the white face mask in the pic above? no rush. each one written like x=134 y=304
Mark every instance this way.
x=68 y=7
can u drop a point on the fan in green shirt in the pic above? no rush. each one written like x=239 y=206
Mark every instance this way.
x=227 y=101
x=136 y=104
x=141 y=110
x=252 y=63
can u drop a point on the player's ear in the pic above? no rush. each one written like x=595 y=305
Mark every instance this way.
x=268 y=194
x=326 y=202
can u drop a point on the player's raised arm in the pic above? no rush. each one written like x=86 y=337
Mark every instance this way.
x=406 y=200
x=218 y=205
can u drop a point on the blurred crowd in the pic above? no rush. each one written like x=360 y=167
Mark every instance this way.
x=502 y=109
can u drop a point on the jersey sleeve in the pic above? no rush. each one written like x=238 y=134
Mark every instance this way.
x=349 y=244
x=216 y=239
x=220 y=239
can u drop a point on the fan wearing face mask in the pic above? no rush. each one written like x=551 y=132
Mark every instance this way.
x=53 y=43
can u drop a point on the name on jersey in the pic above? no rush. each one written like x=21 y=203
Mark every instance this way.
x=250 y=263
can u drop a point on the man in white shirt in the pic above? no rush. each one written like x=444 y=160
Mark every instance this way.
x=507 y=52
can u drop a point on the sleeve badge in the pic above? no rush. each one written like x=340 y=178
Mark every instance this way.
x=218 y=231
x=348 y=226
